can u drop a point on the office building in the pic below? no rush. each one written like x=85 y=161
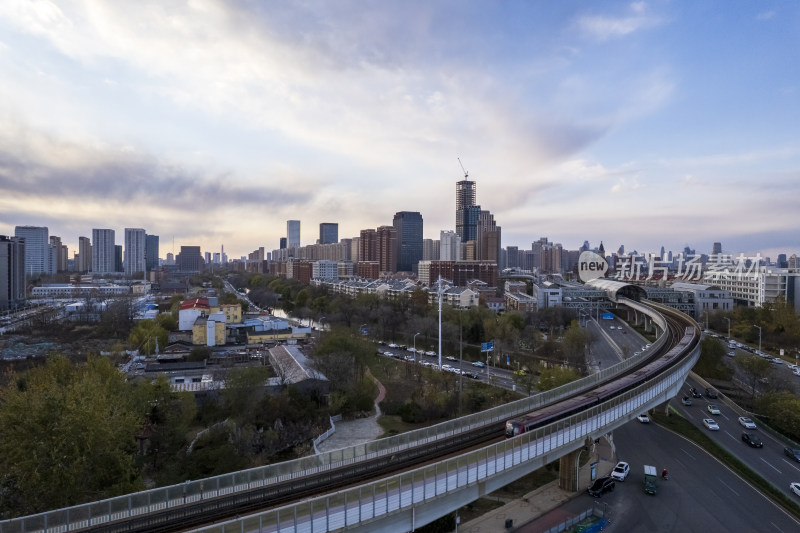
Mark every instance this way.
x=37 y=249
x=134 y=251
x=716 y=248
x=408 y=225
x=151 y=252
x=12 y=272
x=103 y=260
x=449 y=246
x=293 y=233
x=118 y=263
x=190 y=259
x=328 y=233
x=465 y=197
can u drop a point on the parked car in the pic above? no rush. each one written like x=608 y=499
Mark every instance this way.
x=621 y=471
x=643 y=418
x=752 y=439
x=600 y=486
x=711 y=424
x=747 y=422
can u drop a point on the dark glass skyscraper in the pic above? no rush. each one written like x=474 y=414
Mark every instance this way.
x=465 y=198
x=328 y=233
x=151 y=252
x=409 y=240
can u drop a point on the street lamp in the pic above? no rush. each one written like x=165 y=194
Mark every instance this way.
x=416 y=359
x=729 y=326
x=759 y=338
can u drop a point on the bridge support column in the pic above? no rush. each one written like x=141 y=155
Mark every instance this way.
x=569 y=471
x=648 y=324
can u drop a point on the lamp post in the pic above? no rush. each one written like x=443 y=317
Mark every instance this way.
x=759 y=338
x=416 y=359
x=729 y=326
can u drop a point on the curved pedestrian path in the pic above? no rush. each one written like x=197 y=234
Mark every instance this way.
x=359 y=430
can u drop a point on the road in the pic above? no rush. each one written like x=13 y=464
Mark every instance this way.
x=769 y=462
x=701 y=495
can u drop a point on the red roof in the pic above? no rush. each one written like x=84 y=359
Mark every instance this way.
x=195 y=303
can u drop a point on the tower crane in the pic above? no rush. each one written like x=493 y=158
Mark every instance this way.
x=466 y=174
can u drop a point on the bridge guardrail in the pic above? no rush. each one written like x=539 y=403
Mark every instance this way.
x=161 y=498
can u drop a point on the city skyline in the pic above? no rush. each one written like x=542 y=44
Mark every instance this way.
x=645 y=123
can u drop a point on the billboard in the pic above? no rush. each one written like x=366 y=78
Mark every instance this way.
x=608 y=316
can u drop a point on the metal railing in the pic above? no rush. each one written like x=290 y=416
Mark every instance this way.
x=159 y=499
x=373 y=501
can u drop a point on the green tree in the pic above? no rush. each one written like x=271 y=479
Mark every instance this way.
x=755 y=369
x=556 y=376
x=167 y=321
x=68 y=436
x=145 y=335
x=710 y=364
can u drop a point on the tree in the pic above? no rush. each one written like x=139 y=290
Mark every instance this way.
x=556 y=376
x=755 y=369
x=145 y=336
x=68 y=436
x=710 y=364
x=574 y=345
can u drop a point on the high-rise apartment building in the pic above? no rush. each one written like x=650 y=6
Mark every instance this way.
x=134 y=251
x=368 y=246
x=387 y=248
x=449 y=246
x=38 y=259
x=151 y=252
x=118 y=263
x=293 y=233
x=328 y=233
x=83 y=261
x=103 y=251
x=12 y=272
x=59 y=254
x=408 y=225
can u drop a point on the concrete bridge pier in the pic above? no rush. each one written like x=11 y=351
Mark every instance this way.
x=574 y=477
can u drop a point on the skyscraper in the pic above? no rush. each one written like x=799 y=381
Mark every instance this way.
x=387 y=248
x=449 y=246
x=293 y=233
x=409 y=240
x=190 y=259
x=717 y=248
x=12 y=272
x=465 y=198
x=134 y=251
x=151 y=252
x=328 y=233
x=58 y=254
x=37 y=249
x=103 y=258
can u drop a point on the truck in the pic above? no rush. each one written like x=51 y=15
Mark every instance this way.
x=650 y=478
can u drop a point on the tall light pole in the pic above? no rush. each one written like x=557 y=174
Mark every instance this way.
x=416 y=359
x=759 y=338
x=729 y=326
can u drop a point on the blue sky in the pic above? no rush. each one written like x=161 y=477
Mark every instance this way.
x=645 y=123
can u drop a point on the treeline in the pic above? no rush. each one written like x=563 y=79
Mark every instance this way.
x=780 y=326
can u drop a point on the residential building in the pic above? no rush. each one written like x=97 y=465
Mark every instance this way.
x=387 y=248
x=328 y=233
x=408 y=226
x=449 y=246
x=59 y=254
x=83 y=261
x=38 y=259
x=103 y=260
x=325 y=269
x=118 y=263
x=134 y=251
x=12 y=272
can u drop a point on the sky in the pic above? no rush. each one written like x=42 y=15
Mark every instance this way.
x=652 y=123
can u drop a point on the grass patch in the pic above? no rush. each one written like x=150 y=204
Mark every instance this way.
x=479 y=507
x=393 y=425
x=675 y=422
x=534 y=480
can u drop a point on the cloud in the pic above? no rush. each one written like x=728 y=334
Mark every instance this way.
x=625 y=185
x=603 y=27
x=765 y=15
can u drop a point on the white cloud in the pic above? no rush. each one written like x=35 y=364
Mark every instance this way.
x=625 y=185
x=765 y=15
x=604 y=27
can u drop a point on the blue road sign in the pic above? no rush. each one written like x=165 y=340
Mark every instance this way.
x=487 y=346
x=608 y=316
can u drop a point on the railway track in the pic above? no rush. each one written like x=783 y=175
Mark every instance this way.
x=682 y=334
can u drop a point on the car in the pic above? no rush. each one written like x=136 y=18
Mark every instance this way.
x=792 y=366
x=479 y=364
x=412 y=350
x=747 y=422
x=711 y=393
x=752 y=439
x=431 y=353
x=711 y=424
x=694 y=393
x=643 y=418
x=792 y=453
x=795 y=487
x=731 y=354
x=686 y=400
x=388 y=354
x=637 y=353
x=393 y=345
x=600 y=486
x=451 y=358
x=472 y=375
x=777 y=361
x=621 y=471
x=796 y=372
x=713 y=409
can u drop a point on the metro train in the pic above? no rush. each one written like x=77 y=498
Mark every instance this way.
x=578 y=403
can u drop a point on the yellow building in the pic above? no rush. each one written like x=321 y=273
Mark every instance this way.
x=233 y=313
x=209 y=331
